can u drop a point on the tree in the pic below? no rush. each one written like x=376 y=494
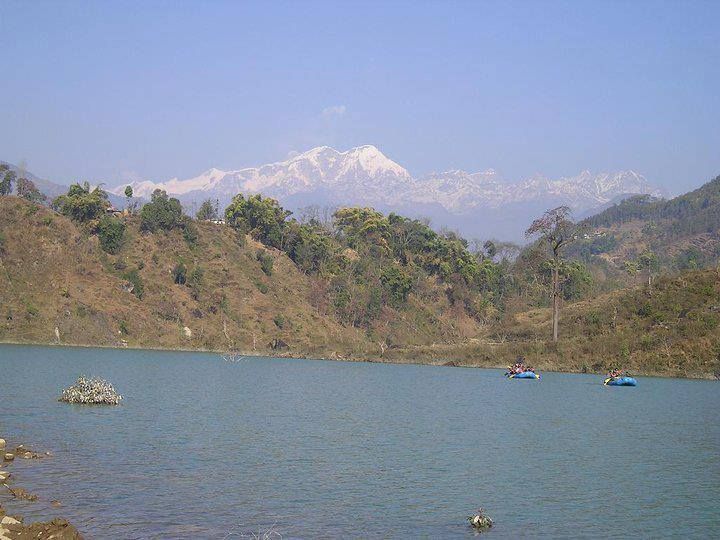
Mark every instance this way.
x=362 y=225
x=161 y=213
x=557 y=230
x=7 y=177
x=318 y=216
x=650 y=263
x=397 y=284
x=262 y=217
x=82 y=204
x=507 y=251
x=577 y=280
x=490 y=249
x=208 y=211
x=309 y=246
x=128 y=199
x=27 y=190
x=632 y=268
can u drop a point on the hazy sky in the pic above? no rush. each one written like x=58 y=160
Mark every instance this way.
x=108 y=90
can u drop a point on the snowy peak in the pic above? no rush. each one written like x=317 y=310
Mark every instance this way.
x=318 y=168
x=602 y=187
x=371 y=160
x=368 y=159
x=204 y=182
x=365 y=176
x=459 y=191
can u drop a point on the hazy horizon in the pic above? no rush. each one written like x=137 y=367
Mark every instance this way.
x=116 y=92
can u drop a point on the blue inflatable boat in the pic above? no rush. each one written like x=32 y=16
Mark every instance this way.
x=524 y=375
x=620 y=381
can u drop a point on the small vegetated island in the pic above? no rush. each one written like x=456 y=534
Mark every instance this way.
x=91 y=391
x=635 y=286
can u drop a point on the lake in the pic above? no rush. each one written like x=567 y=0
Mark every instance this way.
x=316 y=449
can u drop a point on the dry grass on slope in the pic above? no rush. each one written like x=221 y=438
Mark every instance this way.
x=54 y=274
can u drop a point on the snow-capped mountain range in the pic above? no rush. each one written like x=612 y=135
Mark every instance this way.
x=361 y=174
x=478 y=204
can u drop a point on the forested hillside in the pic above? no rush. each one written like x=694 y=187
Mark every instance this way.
x=113 y=281
x=358 y=284
x=671 y=329
x=646 y=237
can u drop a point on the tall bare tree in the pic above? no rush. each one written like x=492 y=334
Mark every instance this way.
x=557 y=230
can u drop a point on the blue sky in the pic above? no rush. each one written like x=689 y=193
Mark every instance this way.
x=113 y=90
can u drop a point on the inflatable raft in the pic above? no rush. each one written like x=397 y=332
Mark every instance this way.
x=620 y=381
x=524 y=375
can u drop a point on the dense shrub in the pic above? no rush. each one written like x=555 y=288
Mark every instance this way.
x=196 y=277
x=195 y=281
x=710 y=321
x=190 y=233
x=279 y=321
x=179 y=273
x=266 y=262
x=31 y=309
x=133 y=277
x=111 y=232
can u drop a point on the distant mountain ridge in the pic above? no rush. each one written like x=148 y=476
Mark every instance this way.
x=362 y=168
x=478 y=204
x=682 y=233
x=51 y=189
x=481 y=204
x=367 y=169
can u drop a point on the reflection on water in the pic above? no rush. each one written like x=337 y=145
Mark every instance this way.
x=201 y=447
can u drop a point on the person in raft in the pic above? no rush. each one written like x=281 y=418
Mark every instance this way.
x=515 y=369
x=519 y=367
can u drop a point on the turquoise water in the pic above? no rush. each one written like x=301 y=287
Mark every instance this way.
x=313 y=449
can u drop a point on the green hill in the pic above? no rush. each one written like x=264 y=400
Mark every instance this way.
x=678 y=234
x=54 y=274
x=368 y=286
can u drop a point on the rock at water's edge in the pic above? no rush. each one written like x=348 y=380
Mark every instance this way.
x=479 y=521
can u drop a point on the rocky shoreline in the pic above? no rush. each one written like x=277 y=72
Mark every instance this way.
x=13 y=527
